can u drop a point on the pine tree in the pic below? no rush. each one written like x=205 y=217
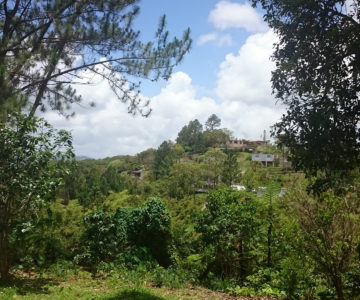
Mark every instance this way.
x=47 y=47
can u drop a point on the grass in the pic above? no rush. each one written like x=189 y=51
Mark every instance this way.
x=82 y=286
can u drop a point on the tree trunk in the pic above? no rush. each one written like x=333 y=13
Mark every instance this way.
x=337 y=281
x=269 y=245
x=4 y=255
x=242 y=271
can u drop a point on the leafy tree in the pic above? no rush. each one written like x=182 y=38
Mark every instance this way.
x=250 y=179
x=113 y=179
x=178 y=152
x=163 y=159
x=228 y=228
x=107 y=235
x=149 y=226
x=212 y=122
x=72 y=181
x=231 y=169
x=54 y=234
x=214 y=160
x=94 y=189
x=191 y=137
x=270 y=196
x=146 y=158
x=317 y=74
x=183 y=180
x=216 y=137
x=33 y=160
x=49 y=46
x=329 y=228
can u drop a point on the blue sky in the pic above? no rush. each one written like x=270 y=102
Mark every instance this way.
x=227 y=72
x=203 y=60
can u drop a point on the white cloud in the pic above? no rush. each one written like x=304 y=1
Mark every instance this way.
x=244 y=104
x=235 y=15
x=108 y=129
x=203 y=39
x=245 y=77
x=244 y=88
x=220 y=39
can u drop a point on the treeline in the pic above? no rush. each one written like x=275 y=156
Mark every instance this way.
x=191 y=163
x=183 y=222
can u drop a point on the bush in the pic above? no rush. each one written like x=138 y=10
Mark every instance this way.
x=130 y=236
x=228 y=226
x=149 y=226
x=105 y=236
x=135 y=256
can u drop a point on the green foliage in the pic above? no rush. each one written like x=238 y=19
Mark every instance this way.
x=216 y=138
x=149 y=226
x=33 y=158
x=53 y=236
x=183 y=180
x=163 y=160
x=231 y=171
x=271 y=194
x=250 y=180
x=123 y=199
x=146 y=158
x=228 y=227
x=329 y=230
x=178 y=152
x=212 y=122
x=191 y=137
x=105 y=236
x=134 y=257
x=94 y=188
x=173 y=278
x=317 y=78
x=114 y=180
x=265 y=291
x=184 y=210
x=213 y=164
x=101 y=33
x=129 y=236
x=257 y=242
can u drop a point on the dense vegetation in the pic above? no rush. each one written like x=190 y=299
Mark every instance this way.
x=192 y=211
x=183 y=222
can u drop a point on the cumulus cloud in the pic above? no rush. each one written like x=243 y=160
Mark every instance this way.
x=244 y=103
x=244 y=87
x=245 y=77
x=220 y=39
x=108 y=129
x=228 y=14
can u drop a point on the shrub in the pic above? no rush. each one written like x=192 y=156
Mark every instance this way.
x=149 y=226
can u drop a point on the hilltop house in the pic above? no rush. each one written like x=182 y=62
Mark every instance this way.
x=265 y=159
x=241 y=144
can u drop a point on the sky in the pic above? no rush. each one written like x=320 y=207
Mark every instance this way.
x=227 y=73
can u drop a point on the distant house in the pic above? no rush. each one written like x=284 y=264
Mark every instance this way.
x=265 y=159
x=236 y=144
x=138 y=173
x=243 y=144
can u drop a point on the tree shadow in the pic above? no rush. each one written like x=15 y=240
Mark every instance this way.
x=135 y=295
x=23 y=286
